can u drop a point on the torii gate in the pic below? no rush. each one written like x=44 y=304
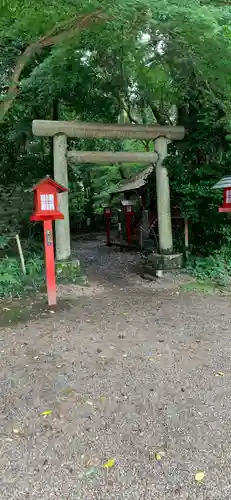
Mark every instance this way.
x=60 y=130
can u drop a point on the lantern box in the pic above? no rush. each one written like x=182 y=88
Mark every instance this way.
x=46 y=200
x=107 y=211
x=127 y=205
x=225 y=184
x=226 y=207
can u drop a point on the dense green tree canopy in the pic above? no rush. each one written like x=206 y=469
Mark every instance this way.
x=156 y=47
x=150 y=61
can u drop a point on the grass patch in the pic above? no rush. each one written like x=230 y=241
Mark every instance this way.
x=214 y=270
x=200 y=287
x=70 y=272
x=20 y=310
x=13 y=283
x=211 y=274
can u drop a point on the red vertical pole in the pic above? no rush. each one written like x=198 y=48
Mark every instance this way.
x=108 y=230
x=49 y=262
x=128 y=228
x=186 y=238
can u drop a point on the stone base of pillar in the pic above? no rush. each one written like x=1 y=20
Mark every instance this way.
x=70 y=272
x=154 y=263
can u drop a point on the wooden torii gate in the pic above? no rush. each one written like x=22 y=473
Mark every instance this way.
x=60 y=130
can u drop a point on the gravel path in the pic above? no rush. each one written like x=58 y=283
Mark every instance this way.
x=128 y=372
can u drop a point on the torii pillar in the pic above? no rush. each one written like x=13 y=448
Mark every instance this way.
x=163 y=197
x=62 y=227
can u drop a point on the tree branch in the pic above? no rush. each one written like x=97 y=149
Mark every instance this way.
x=159 y=118
x=129 y=115
x=61 y=32
x=127 y=110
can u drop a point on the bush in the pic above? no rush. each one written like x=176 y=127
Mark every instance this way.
x=13 y=282
x=216 y=267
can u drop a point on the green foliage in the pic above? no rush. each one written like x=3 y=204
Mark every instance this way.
x=215 y=268
x=14 y=283
x=22 y=18
x=202 y=159
x=153 y=61
x=70 y=272
x=4 y=241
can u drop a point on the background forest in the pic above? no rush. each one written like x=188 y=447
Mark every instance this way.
x=150 y=61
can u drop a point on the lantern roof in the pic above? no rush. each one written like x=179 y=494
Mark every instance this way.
x=127 y=203
x=135 y=182
x=225 y=182
x=48 y=179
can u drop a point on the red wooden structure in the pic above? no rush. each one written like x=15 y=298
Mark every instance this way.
x=225 y=184
x=226 y=207
x=129 y=213
x=46 y=210
x=108 y=215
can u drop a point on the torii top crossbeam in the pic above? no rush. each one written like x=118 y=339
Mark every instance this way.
x=50 y=128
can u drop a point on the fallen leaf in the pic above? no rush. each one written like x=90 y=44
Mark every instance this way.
x=16 y=430
x=220 y=374
x=158 y=456
x=90 y=461
x=91 y=471
x=109 y=463
x=199 y=476
x=46 y=412
x=124 y=314
x=67 y=391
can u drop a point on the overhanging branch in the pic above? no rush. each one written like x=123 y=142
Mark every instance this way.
x=61 y=32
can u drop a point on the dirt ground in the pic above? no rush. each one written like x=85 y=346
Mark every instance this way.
x=130 y=372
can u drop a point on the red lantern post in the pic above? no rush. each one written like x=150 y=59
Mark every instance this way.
x=49 y=262
x=46 y=210
x=129 y=213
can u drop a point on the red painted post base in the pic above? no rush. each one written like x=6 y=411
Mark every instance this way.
x=108 y=224
x=129 y=229
x=49 y=262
